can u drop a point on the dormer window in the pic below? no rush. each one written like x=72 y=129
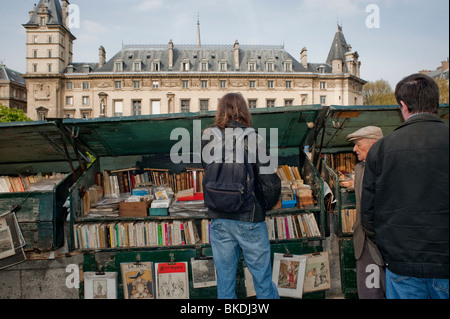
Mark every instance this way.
x=252 y=66
x=204 y=65
x=118 y=66
x=86 y=68
x=43 y=21
x=288 y=66
x=137 y=65
x=223 y=65
x=270 y=66
x=156 y=66
x=185 y=65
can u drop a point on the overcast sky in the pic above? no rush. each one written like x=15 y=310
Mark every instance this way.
x=407 y=35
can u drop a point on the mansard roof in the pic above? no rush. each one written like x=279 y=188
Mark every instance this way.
x=11 y=75
x=213 y=54
x=54 y=9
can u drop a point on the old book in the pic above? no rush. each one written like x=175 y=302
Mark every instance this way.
x=138 y=280
x=172 y=280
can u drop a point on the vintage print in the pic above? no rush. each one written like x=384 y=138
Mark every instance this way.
x=288 y=274
x=203 y=273
x=172 y=280
x=100 y=285
x=317 y=274
x=6 y=241
x=138 y=280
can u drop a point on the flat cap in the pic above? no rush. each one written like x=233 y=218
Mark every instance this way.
x=373 y=132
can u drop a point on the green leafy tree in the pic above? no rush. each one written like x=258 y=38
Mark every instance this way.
x=378 y=93
x=12 y=115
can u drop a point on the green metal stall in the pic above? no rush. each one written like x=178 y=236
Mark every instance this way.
x=145 y=141
x=30 y=148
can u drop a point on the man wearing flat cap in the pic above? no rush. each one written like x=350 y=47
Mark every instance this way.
x=370 y=272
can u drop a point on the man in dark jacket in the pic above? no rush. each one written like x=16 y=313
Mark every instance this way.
x=405 y=206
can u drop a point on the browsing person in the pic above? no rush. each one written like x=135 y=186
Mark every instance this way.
x=405 y=206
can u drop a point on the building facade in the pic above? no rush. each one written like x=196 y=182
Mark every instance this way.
x=13 y=89
x=441 y=71
x=171 y=78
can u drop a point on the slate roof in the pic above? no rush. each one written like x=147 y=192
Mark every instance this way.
x=339 y=47
x=54 y=9
x=11 y=75
x=439 y=74
x=214 y=54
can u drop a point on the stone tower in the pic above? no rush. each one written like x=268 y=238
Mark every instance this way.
x=49 y=50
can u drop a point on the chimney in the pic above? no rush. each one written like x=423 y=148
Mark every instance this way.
x=65 y=12
x=170 y=55
x=236 y=55
x=304 y=57
x=444 y=65
x=101 y=56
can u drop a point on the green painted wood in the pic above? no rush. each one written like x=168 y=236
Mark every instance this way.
x=344 y=120
x=111 y=261
x=42 y=215
x=139 y=135
x=348 y=268
x=31 y=142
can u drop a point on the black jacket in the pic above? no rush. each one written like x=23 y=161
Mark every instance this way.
x=405 y=203
x=258 y=213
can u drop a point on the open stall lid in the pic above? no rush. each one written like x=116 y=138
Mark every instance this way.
x=34 y=142
x=344 y=120
x=151 y=134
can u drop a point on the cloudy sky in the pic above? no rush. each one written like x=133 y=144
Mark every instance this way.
x=393 y=38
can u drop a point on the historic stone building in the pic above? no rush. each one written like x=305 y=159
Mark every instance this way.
x=13 y=90
x=171 y=78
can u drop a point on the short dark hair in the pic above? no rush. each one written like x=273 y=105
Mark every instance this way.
x=232 y=107
x=419 y=92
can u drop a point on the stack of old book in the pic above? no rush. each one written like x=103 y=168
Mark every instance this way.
x=188 y=203
x=292 y=182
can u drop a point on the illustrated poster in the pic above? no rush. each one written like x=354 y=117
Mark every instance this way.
x=138 y=280
x=172 y=280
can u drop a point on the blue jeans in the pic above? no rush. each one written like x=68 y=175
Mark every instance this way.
x=402 y=287
x=228 y=237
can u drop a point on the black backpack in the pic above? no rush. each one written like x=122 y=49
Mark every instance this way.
x=229 y=187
